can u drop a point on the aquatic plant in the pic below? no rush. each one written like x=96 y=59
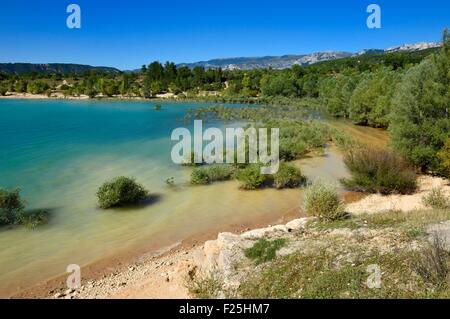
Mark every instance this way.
x=250 y=177
x=11 y=206
x=288 y=176
x=120 y=191
x=212 y=173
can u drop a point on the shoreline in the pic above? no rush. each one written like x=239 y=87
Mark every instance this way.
x=161 y=273
x=117 y=264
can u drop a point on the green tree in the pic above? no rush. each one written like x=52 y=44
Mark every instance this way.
x=420 y=121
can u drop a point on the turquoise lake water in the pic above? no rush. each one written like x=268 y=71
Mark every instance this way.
x=59 y=152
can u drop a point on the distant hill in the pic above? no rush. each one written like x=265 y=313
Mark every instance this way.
x=287 y=61
x=275 y=62
x=62 y=68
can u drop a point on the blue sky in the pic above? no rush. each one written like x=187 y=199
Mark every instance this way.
x=127 y=34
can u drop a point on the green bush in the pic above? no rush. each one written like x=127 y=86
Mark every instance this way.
x=213 y=173
x=291 y=149
x=322 y=200
x=436 y=199
x=376 y=170
x=251 y=177
x=264 y=250
x=11 y=206
x=120 y=191
x=288 y=176
x=12 y=211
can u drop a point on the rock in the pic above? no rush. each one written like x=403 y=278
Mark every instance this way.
x=297 y=224
x=69 y=291
x=264 y=232
x=58 y=295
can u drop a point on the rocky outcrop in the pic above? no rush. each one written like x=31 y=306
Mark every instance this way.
x=220 y=257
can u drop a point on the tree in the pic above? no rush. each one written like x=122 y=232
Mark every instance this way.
x=420 y=120
x=370 y=103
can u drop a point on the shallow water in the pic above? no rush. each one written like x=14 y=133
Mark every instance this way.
x=59 y=152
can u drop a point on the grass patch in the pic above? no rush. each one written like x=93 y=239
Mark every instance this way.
x=322 y=274
x=264 y=250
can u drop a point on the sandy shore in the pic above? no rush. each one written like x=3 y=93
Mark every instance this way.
x=138 y=274
x=60 y=96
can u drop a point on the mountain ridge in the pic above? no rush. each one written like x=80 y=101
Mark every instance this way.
x=233 y=63
x=62 y=68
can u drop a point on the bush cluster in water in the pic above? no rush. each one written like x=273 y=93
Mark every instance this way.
x=12 y=211
x=120 y=191
x=249 y=176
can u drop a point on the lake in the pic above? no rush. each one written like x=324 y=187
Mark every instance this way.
x=59 y=152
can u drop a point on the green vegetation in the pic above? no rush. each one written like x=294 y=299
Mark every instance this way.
x=444 y=157
x=288 y=176
x=264 y=250
x=338 y=267
x=33 y=219
x=120 y=191
x=436 y=199
x=421 y=121
x=250 y=178
x=211 y=173
x=11 y=206
x=12 y=211
x=322 y=200
x=320 y=275
x=377 y=170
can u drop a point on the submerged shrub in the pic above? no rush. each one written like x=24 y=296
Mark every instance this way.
x=291 y=149
x=213 y=173
x=436 y=199
x=264 y=250
x=288 y=176
x=120 y=191
x=251 y=177
x=12 y=211
x=11 y=206
x=31 y=220
x=376 y=170
x=322 y=200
